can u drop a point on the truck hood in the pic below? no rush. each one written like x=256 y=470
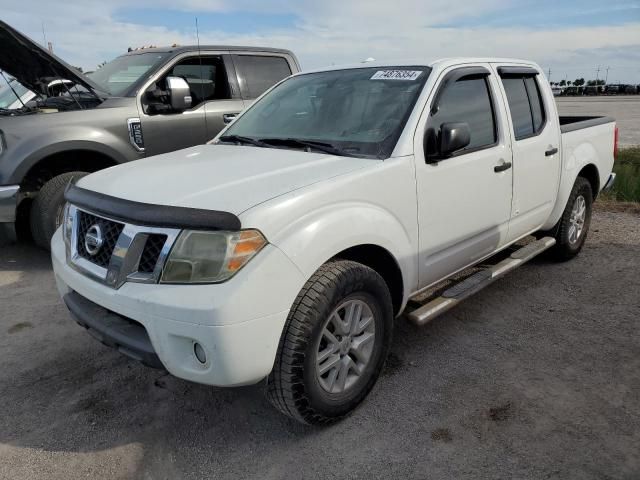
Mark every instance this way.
x=33 y=66
x=220 y=177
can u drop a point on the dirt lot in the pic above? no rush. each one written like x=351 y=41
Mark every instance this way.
x=536 y=377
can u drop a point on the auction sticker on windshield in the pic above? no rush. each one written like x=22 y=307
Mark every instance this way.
x=396 y=75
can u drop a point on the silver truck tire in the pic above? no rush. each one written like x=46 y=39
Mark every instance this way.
x=47 y=208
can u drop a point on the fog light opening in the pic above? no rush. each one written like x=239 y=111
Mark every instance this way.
x=198 y=351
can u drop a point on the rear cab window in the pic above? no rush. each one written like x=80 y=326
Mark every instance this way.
x=524 y=100
x=258 y=73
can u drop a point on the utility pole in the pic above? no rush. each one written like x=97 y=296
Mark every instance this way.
x=44 y=36
x=597 y=74
x=549 y=75
x=607 y=76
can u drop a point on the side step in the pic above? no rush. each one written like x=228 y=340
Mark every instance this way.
x=476 y=282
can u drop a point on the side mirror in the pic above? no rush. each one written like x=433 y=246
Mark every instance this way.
x=453 y=137
x=179 y=93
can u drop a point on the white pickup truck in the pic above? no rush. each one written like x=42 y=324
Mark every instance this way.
x=283 y=250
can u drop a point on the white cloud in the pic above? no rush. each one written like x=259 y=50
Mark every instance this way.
x=84 y=32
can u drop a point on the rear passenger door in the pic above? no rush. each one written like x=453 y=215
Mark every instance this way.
x=535 y=144
x=259 y=72
x=464 y=200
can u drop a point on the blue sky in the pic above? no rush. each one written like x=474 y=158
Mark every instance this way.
x=572 y=38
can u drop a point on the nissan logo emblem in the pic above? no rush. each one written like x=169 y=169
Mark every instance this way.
x=93 y=240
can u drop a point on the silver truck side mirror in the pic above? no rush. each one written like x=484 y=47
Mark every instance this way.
x=179 y=93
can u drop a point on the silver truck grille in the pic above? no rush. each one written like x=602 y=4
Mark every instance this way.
x=115 y=252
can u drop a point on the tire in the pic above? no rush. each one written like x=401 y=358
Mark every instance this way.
x=47 y=208
x=569 y=242
x=295 y=386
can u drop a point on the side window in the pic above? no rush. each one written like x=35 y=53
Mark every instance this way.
x=525 y=105
x=467 y=100
x=206 y=77
x=537 y=106
x=259 y=72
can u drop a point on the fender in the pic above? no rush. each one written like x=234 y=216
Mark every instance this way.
x=21 y=157
x=311 y=239
x=575 y=160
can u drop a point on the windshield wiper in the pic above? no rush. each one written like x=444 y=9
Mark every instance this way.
x=239 y=139
x=295 y=142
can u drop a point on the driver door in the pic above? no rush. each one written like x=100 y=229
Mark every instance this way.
x=464 y=198
x=214 y=98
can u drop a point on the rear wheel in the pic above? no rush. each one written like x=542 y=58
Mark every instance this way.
x=47 y=208
x=334 y=344
x=573 y=227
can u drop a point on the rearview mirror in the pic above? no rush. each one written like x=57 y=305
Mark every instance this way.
x=453 y=137
x=179 y=93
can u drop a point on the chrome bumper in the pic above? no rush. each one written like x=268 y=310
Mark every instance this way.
x=8 y=203
x=610 y=181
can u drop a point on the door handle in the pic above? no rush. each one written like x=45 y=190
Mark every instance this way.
x=502 y=167
x=228 y=117
x=551 y=151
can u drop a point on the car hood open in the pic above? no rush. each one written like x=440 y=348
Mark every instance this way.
x=220 y=177
x=33 y=66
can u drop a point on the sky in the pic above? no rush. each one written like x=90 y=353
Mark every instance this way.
x=571 y=38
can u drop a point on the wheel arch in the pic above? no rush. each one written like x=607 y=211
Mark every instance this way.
x=592 y=175
x=384 y=263
x=54 y=164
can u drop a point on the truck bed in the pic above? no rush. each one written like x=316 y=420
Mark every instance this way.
x=571 y=123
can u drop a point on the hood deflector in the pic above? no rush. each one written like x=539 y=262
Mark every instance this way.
x=150 y=214
x=33 y=66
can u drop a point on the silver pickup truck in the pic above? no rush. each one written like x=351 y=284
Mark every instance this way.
x=143 y=103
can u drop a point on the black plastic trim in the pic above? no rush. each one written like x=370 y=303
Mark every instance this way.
x=115 y=331
x=149 y=214
x=517 y=72
x=578 y=123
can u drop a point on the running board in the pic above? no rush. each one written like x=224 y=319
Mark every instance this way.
x=452 y=296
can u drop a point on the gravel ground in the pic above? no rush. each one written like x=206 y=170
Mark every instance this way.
x=536 y=377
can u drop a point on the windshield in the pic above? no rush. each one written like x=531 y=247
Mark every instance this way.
x=7 y=97
x=119 y=74
x=356 y=112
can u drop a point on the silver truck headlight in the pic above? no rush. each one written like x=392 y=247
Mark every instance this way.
x=210 y=257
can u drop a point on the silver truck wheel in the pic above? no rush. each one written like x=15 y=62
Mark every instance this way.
x=46 y=210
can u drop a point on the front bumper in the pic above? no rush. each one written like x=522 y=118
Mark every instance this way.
x=237 y=323
x=8 y=203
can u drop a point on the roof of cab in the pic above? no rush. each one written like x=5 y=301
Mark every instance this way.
x=191 y=48
x=440 y=63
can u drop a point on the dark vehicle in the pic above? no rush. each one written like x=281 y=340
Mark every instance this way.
x=143 y=103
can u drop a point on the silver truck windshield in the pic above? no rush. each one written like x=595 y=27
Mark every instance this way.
x=119 y=74
x=355 y=112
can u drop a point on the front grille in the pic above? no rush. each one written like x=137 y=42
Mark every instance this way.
x=110 y=232
x=151 y=252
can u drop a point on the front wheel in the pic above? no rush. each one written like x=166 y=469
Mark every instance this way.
x=47 y=208
x=334 y=344
x=572 y=229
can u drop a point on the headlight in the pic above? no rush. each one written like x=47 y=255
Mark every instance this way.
x=210 y=257
x=67 y=225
